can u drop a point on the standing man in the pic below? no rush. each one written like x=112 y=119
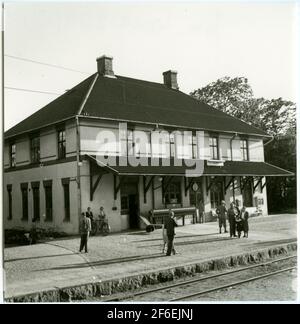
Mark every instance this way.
x=222 y=213
x=85 y=228
x=201 y=211
x=89 y=214
x=102 y=218
x=33 y=233
x=245 y=217
x=170 y=225
x=232 y=214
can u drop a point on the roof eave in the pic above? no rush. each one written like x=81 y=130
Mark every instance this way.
x=37 y=128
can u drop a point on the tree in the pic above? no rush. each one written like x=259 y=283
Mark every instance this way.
x=277 y=117
x=228 y=95
x=235 y=96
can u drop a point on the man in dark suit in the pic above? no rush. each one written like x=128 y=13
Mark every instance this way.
x=169 y=225
x=232 y=214
x=222 y=214
x=85 y=228
x=89 y=214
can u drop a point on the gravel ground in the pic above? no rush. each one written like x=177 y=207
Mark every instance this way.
x=282 y=287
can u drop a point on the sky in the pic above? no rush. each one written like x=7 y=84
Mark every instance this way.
x=202 y=41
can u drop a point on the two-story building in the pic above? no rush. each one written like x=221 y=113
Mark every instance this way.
x=130 y=146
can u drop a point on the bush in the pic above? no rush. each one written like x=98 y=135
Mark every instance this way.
x=22 y=237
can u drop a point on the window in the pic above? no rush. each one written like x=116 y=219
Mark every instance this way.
x=36 y=200
x=66 y=186
x=9 y=192
x=194 y=147
x=216 y=194
x=244 y=149
x=173 y=194
x=61 y=144
x=172 y=145
x=35 y=149
x=137 y=147
x=214 y=147
x=48 y=199
x=12 y=155
x=248 y=193
x=24 y=190
x=130 y=144
x=124 y=204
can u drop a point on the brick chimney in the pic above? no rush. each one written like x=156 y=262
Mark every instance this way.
x=170 y=79
x=104 y=64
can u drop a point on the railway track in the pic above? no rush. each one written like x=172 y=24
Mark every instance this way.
x=233 y=284
x=133 y=295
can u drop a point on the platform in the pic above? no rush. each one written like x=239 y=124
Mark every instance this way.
x=54 y=271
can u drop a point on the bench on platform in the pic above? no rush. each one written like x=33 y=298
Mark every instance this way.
x=158 y=215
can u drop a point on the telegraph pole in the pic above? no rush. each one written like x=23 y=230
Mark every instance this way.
x=2 y=156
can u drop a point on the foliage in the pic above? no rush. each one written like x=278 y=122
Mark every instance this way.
x=235 y=97
x=282 y=191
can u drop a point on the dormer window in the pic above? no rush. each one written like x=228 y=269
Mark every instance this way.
x=194 y=147
x=61 y=137
x=12 y=155
x=244 y=149
x=214 y=147
x=172 y=145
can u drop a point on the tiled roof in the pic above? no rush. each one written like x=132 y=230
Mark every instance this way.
x=63 y=107
x=128 y=99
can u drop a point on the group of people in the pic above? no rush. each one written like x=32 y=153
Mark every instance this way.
x=238 y=223
x=238 y=219
x=85 y=228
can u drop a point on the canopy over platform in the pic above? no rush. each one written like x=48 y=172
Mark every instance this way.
x=160 y=167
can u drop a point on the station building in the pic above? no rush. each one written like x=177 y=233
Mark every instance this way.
x=54 y=160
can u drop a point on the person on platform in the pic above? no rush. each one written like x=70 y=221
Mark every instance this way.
x=222 y=214
x=102 y=218
x=169 y=225
x=201 y=212
x=245 y=217
x=33 y=232
x=85 y=229
x=89 y=214
x=232 y=214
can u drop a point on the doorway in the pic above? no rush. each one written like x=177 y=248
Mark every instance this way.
x=196 y=199
x=248 y=194
x=133 y=208
x=130 y=201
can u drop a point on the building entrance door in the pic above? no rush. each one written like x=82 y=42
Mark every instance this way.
x=130 y=201
x=133 y=208
x=248 y=195
x=196 y=199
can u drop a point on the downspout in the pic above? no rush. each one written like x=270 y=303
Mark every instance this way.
x=78 y=168
x=271 y=140
x=265 y=144
x=232 y=138
x=78 y=149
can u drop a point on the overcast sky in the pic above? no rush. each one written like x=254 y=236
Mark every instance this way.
x=202 y=41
